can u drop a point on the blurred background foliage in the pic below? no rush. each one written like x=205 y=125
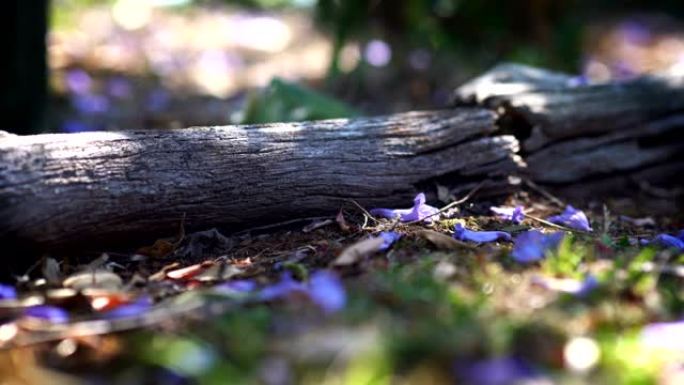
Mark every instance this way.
x=122 y=64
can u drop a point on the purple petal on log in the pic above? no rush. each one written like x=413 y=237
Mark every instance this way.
x=326 y=290
x=140 y=306
x=573 y=218
x=496 y=371
x=418 y=212
x=48 y=313
x=7 y=292
x=388 y=237
x=513 y=214
x=78 y=81
x=531 y=246
x=667 y=335
x=667 y=241
x=463 y=234
x=286 y=286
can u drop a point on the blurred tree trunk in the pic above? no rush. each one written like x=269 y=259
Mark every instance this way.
x=23 y=69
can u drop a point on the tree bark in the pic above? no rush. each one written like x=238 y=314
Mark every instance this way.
x=572 y=132
x=67 y=189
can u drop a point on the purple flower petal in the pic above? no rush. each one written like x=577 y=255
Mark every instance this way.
x=7 y=292
x=667 y=335
x=388 y=237
x=667 y=241
x=531 y=246
x=142 y=305
x=90 y=104
x=78 y=81
x=240 y=285
x=286 y=286
x=419 y=211
x=119 y=87
x=327 y=291
x=496 y=371
x=48 y=313
x=463 y=234
x=572 y=218
x=513 y=214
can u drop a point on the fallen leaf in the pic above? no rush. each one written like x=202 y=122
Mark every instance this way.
x=342 y=222
x=218 y=272
x=358 y=251
x=100 y=279
x=186 y=272
x=443 y=241
x=159 y=249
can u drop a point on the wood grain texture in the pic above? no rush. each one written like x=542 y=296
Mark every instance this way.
x=573 y=132
x=68 y=188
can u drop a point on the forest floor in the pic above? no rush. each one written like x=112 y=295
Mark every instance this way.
x=358 y=299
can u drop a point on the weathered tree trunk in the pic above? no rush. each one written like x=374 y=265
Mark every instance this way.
x=65 y=189
x=573 y=133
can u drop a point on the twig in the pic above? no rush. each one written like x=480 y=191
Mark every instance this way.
x=551 y=224
x=544 y=193
x=365 y=212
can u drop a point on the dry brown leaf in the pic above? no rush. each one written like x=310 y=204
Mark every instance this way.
x=358 y=251
x=99 y=279
x=443 y=241
x=342 y=222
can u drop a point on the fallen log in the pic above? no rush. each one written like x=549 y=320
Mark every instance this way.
x=572 y=132
x=67 y=189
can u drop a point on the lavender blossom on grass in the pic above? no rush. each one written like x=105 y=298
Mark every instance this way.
x=496 y=371
x=133 y=309
x=48 y=313
x=572 y=218
x=388 y=237
x=327 y=291
x=78 y=81
x=419 y=211
x=7 y=292
x=668 y=241
x=324 y=289
x=531 y=246
x=513 y=214
x=463 y=234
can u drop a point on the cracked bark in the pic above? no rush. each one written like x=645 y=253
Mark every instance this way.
x=69 y=189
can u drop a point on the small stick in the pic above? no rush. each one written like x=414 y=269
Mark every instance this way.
x=544 y=193
x=551 y=224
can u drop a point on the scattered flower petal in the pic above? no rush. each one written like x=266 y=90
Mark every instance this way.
x=665 y=335
x=463 y=234
x=286 y=286
x=667 y=241
x=531 y=246
x=133 y=309
x=240 y=285
x=419 y=211
x=573 y=218
x=388 y=238
x=7 y=292
x=496 y=371
x=48 y=313
x=443 y=241
x=513 y=214
x=327 y=291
